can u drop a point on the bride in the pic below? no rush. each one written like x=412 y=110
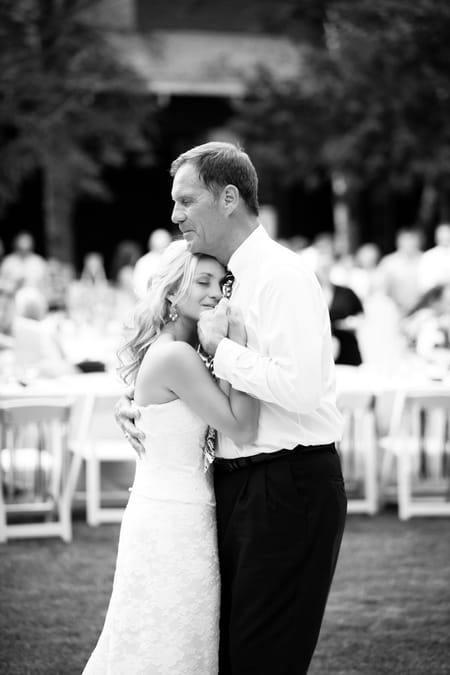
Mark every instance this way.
x=163 y=615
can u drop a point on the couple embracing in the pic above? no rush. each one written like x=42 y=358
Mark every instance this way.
x=230 y=538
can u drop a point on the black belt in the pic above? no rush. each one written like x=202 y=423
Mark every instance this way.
x=221 y=464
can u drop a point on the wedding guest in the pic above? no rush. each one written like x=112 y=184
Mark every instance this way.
x=323 y=242
x=60 y=276
x=23 y=266
x=31 y=303
x=126 y=254
x=362 y=277
x=398 y=272
x=145 y=266
x=35 y=349
x=345 y=312
x=434 y=268
x=428 y=325
x=89 y=296
x=124 y=296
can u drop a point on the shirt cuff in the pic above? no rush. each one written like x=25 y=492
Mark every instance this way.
x=225 y=358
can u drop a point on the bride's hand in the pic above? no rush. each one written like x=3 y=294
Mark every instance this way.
x=236 y=326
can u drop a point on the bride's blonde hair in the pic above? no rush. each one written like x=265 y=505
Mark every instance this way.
x=167 y=287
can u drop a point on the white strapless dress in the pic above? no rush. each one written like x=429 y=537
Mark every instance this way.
x=163 y=616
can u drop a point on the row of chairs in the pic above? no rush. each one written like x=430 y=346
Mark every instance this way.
x=408 y=465
x=45 y=443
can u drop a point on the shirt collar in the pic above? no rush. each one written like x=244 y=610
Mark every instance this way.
x=244 y=253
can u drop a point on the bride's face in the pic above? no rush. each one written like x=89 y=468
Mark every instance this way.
x=205 y=291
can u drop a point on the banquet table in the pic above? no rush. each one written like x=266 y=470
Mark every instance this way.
x=387 y=388
x=76 y=386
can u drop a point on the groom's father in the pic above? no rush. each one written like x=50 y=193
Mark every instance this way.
x=281 y=501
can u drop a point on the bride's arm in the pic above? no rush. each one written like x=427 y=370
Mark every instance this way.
x=185 y=375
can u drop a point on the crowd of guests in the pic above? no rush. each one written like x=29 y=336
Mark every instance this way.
x=53 y=321
x=384 y=306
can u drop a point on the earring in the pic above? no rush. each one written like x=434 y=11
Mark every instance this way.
x=173 y=314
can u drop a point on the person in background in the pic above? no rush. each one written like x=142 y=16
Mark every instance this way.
x=89 y=296
x=123 y=264
x=345 y=312
x=434 y=268
x=398 y=272
x=428 y=326
x=362 y=277
x=23 y=266
x=93 y=273
x=126 y=254
x=123 y=295
x=145 y=266
x=59 y=278
x=34 y=348
x=31 y=303
x=323 y=242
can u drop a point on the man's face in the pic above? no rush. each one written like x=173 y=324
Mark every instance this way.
x=24 y=244
x=408 y=242
x=197 y=212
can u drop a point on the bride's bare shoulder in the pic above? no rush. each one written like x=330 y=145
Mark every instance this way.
x=170 y=354
x=163 y=364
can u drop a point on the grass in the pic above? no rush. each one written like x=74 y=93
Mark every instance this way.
x=388 y=611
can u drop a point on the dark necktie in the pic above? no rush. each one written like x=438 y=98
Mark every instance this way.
x=227 y=284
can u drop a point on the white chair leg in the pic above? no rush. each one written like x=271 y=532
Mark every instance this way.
x=92 y=491
x=3 y=537
x=3 y=530
x=403 y=484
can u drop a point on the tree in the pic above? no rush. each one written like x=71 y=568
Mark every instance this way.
x=68 y=108
x=371 y=104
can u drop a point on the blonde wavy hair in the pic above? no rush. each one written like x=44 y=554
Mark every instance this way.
x=173 y=278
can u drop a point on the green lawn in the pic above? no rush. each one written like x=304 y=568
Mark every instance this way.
x=388 y=612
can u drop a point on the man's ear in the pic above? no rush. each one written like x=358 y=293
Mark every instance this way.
x=230 y=198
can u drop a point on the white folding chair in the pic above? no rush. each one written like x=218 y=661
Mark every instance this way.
x=97 y=442
x=34 y=496
x=417 y=454
x=358 y=451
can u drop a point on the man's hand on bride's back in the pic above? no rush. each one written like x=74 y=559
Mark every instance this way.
x=126 y=414
x=236 y=326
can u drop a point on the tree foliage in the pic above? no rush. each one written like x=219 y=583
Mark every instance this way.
x=372 y=100
x=68 y=107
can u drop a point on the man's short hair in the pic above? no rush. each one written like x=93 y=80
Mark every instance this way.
x=220 y=164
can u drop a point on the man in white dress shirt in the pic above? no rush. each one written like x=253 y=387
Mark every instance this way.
x=434 y=267
x=281 y=501
x=146 y=265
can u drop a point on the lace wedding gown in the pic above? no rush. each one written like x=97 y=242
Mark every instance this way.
x=164 y=609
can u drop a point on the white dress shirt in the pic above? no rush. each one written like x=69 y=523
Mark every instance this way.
x=434 y=267
x=288 y=363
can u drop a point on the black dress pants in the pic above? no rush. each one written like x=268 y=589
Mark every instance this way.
x=280 y=525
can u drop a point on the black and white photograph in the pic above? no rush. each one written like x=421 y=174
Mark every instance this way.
x=224 y=337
